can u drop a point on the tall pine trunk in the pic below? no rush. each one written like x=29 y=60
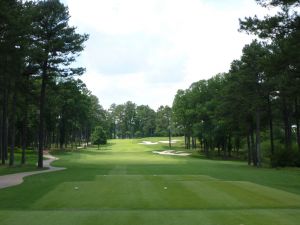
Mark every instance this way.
x=4 y=126
x=287 y=126
x=224 y=147
x=270 y=115
x=24 y=138
x=42 y=112
x=188 y=141
x=62 y=133
x=13 y=130
x=253 y=148
x=229 y=146
x=1 y=134
x=25 y=123
x=258 y=150
x=249 y=150
x=206 y=147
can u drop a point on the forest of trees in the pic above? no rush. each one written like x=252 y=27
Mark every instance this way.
x=43 y=104
x=129 y=120
x=256 y=104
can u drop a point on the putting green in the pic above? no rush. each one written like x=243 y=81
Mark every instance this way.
x=125 y=183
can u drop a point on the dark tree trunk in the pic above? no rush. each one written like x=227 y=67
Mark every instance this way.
x=206 y=147
x=229 y=146
x=62 y=132
x=188 y=141
x=79 y=138
x=1 y=134
x=224 y=148
x=4 y=126
x=25 y=124
x=52 y=138
x=45 y=139
x=41 y=124
x=6 y=139
x=287 y=126
x=253 y=149
x=258 y=152
x=297 y=122
x=13 y=133
x=201 y=144
x=87 y=137
x=24 y=139
x=249 y=150
x=194 y=143
x=237 y=145
x=56 y=140
x=170 y=141
x=115 y=131
x=271 y=125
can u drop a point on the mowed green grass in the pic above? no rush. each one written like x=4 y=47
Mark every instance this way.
x=29 y=166
x=125 y=183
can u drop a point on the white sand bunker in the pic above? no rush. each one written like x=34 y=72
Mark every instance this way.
x=167 y=142
x=148 y=143
x=172 y=152
x=155 y=143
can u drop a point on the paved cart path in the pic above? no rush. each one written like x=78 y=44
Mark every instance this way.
x=17 y=178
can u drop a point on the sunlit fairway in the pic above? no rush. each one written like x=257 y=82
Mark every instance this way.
x=125 y=183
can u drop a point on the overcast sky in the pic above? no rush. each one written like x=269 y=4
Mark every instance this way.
x=145 y=50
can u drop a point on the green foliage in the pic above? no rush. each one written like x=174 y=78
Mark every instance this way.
x=130 y=120
x=163 y=121
x=138 y=134
x=281 y=3
x=99 y=136
x=283 y=158
x=57 y=43
x=145 y=121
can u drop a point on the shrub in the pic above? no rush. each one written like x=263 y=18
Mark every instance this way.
x=283 y=158
x=99 y=136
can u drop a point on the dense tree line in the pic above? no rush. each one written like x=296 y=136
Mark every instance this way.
x=257 y=100
x=129 y=120
x=42 y=103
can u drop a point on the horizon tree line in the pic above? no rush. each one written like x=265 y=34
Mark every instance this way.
x=129 y=120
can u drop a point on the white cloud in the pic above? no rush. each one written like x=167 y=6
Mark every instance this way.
x=129 y=87
x=144 y=50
